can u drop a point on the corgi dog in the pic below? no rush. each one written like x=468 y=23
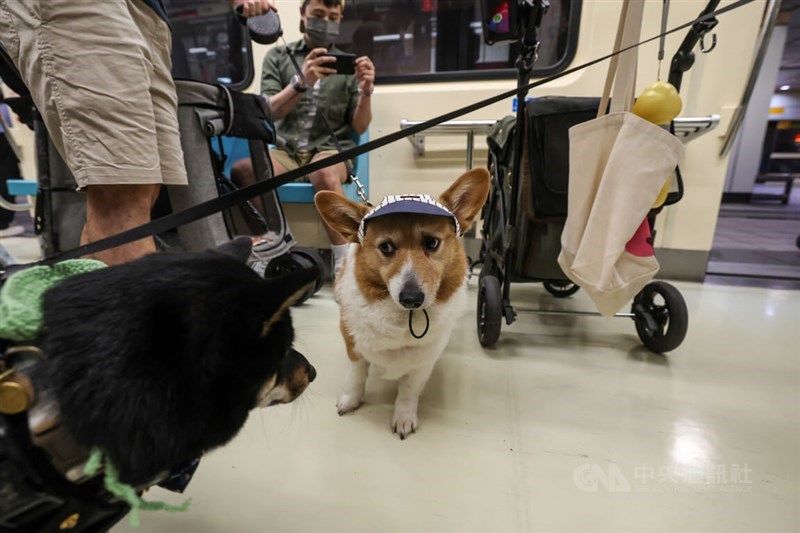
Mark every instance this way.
x=402 y=286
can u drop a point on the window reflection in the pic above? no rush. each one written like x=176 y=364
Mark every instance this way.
x=208 y=43
x=418 y=38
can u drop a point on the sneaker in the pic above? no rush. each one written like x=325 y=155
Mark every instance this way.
x=265 y=239
x=12 y=231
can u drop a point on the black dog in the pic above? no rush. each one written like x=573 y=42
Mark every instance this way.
x=156 y=361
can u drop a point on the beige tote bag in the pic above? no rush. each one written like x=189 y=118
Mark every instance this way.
x=617 y=165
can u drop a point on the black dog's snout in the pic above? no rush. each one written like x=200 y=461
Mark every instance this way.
x=411 y=296
x=295 y=364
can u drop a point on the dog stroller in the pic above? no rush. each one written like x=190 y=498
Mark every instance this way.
x=526 y=212
x=206 y=113
x=525 y=215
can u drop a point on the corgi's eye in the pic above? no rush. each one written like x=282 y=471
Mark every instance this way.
x=431 y=243
x=387 y=248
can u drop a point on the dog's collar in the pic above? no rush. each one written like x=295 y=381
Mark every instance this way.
x=422 y=204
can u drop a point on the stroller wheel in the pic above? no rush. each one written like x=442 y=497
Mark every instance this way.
x=289 y=263
x=561 y=289
x=490 y=310
x=661 y=317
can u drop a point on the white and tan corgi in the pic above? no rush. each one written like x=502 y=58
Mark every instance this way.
x=402 y=286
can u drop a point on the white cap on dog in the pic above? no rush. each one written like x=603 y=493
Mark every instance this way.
x=422 y=204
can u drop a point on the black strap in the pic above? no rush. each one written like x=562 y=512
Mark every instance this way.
x=231 y=199
x=335 y=140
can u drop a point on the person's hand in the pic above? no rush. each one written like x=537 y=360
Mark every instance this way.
x=317 y=65
x=254 y=8
x=365 y=74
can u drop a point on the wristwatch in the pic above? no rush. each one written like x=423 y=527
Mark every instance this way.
x=297 y=85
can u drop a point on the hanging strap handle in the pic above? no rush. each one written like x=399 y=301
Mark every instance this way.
x=622 y=68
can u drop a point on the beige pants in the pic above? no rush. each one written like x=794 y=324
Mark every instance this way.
x=301 y=159
x=99 y=73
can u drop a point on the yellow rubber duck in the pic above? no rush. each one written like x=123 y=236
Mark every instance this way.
x=659 y=103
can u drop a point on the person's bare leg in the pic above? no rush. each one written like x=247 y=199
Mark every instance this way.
x=242 y=175
x=277 y=166
x=112 y=209
x=329 y=179
x=326 y=179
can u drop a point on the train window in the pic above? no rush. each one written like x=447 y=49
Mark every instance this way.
x=208 y=43
x=439 y=40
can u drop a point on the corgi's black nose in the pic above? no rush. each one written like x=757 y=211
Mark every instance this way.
x=412 y=297
x=312 y=373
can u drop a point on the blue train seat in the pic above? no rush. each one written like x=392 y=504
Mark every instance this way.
x=297 y=192
x=22 y=187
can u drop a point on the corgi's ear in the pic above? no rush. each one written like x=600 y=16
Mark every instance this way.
x=467 y=195
x=340 y=213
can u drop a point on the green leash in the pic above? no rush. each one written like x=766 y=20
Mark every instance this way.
x=125 y=491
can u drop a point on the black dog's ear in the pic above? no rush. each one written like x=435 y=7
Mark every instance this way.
x=238 y=248
x=285 y=291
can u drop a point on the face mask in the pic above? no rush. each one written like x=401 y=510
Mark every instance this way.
x=321 y=32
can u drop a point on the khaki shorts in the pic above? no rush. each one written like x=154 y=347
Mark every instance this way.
x=99 y=73
x=300 y=159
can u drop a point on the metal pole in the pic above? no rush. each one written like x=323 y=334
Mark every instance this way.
x=570 y=313
x=470 y=144
x=764 y=37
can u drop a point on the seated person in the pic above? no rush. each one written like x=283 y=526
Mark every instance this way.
x=344 y=99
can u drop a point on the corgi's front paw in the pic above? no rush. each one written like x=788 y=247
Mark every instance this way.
x=404 y=421
x=347 y=403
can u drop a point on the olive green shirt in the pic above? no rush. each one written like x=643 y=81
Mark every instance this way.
x=338 y=97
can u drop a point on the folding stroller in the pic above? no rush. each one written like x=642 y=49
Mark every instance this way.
x=527 y=207
x=524 y=217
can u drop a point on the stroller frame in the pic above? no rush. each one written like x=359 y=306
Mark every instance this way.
x=658 y=310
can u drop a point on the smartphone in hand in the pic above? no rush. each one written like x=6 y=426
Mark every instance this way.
x=345 y=63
